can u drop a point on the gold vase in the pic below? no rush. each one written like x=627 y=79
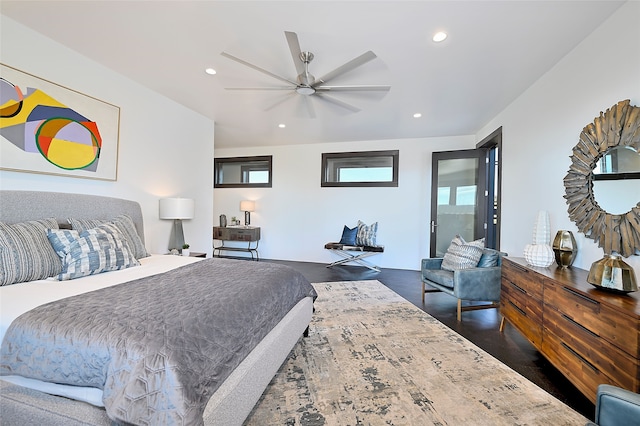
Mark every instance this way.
x=565 y=248
x=613 y=273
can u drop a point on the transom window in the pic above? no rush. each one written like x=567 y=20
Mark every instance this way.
x=243 y=172
x=368 y=168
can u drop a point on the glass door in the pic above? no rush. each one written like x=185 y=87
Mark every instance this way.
x=458 y=197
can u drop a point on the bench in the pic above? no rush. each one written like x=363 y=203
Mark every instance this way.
x=354 y=254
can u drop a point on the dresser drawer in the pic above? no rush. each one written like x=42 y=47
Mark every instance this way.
x=522 y=317
x=527 y=280
x=618 y=365
x=601 y=320
x=583 y=374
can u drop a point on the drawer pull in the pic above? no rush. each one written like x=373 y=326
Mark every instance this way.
x=517 y=287
x=519 y=268
x=572 y=321
x=581 y=296
x=581 y=358
x=517 y=308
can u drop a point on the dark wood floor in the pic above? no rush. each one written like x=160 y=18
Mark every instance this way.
x=481 y=327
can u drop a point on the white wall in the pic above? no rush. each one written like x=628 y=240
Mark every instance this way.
x=297 y=216
x=543 y=125
x=165 y=149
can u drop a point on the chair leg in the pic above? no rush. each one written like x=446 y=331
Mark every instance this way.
x=459 y=309
x=423 y=292
x=502 y=322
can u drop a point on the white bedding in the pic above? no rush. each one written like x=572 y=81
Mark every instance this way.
x=19 y=298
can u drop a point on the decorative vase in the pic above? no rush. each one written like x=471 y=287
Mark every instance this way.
x=613 y=273
x=542 y=228
x=540 y=255
x=186 y=252
x=540 y=252
x=565 y=248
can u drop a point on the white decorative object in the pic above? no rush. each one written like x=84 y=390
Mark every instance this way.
x=540 y=253
x=542 y=228
x=186 y=252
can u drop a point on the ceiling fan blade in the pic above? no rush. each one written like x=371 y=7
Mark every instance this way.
x=354 y=63
x=352 y=88
x=280 y=101
x=309 y=106
x=294 y=47
x=257 y=68
x=260 y=88
x=338 y=102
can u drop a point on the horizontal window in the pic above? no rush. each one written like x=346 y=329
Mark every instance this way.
x=242 y=172
x=368 y=168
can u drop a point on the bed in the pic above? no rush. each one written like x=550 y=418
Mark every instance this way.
x=167 y=340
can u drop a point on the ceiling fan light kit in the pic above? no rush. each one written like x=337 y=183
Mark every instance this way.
x=306 y=84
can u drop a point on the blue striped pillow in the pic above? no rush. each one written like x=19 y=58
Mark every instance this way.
x=90 y=252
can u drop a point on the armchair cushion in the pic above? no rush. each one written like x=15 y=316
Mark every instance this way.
x=462 y=255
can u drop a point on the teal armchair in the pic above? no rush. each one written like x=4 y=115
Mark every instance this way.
x=481 y=283
x=616 y=407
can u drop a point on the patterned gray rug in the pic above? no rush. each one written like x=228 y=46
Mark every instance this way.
x=373 y=358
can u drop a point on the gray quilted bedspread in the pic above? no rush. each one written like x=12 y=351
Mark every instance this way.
x=160 y=346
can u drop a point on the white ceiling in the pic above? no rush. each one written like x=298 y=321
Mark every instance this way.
x=494 y=52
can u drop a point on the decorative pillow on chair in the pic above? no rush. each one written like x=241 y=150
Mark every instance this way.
x=366 y=234
x=462 y=255
x=90 y=252
x=124 y=224
x=349 y=236
x=25 y=252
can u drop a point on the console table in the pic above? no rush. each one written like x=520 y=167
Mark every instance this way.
x=590 y=335
x=245 y=234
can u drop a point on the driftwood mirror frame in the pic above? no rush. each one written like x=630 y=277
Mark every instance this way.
x=615 y=233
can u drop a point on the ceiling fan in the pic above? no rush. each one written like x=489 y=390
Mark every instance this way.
x=306 y=84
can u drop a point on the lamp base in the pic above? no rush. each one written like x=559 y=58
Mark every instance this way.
x=177 y=239
x=247 y=218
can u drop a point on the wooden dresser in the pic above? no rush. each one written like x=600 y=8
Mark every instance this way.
x=590 y=335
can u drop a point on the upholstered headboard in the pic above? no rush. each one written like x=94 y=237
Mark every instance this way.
x=20 y=206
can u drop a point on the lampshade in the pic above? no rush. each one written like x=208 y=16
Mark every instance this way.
x=176 y=208
x=247 y=206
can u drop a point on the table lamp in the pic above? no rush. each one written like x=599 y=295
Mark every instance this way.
x=247 y=206
x=177 y=209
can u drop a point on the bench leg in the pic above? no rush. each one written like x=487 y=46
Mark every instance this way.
x=348 y=257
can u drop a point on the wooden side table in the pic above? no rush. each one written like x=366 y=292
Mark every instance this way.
x=248 y=234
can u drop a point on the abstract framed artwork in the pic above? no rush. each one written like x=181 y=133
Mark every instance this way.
x=47 y=128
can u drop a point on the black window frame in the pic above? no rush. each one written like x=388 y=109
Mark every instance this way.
x=327 y=156
x=245 y=167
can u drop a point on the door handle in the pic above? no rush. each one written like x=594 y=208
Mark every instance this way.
x=433 y=226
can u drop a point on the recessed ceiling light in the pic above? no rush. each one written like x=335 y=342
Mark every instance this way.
x=210 y=71
x=417 y=115
x=439 y=36
x=282 y=126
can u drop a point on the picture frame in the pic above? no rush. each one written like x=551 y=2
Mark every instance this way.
x=50 y=129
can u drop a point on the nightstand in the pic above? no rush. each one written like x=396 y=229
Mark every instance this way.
x=247 y=234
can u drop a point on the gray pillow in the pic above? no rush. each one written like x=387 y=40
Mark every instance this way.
x=462 y=255
x=25 y=252
x=125 y=226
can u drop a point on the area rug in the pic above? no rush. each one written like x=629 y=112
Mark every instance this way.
x=373 y=358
